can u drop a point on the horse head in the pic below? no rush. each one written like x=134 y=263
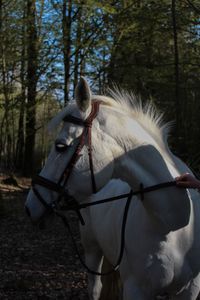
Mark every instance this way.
x=102 y=139
x=81 y=159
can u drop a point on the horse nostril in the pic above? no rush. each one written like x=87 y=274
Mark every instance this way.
x=27 y=211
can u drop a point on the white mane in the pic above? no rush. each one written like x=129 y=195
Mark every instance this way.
x=147 y=116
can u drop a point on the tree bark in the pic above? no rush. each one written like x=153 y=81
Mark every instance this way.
x=176 y=66
x=66 y=31
x=77 y=50
x=32 y=65
x=20 y=136
x=1 y=43
x=6 y=139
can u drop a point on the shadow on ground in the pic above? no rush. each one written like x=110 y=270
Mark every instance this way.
x=36 y=264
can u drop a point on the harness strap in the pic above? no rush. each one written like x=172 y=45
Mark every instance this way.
x=40 y=180
x=74 y=120
x=142 y=191
x=46 y=205
x=87 y=133
x=133 y=193
x=76 y=207
x=73 y=205
x=88 y=125
x=68 y=170
x=122 y=244
x=94 y=187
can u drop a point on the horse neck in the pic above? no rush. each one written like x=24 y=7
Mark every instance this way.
x=137 y=158
x=146 y=164
x=140 y=153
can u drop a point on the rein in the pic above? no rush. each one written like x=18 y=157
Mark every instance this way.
x=71 y=203
x=75 y=206
x=140 y=192
x=121 y=252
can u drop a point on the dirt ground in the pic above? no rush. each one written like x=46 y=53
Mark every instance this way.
x=36 y=264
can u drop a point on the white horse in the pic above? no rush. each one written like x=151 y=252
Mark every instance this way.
x=162 y=237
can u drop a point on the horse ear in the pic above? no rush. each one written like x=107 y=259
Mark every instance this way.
x=83 y=94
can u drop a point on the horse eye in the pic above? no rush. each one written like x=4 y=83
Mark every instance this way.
x=60 y=147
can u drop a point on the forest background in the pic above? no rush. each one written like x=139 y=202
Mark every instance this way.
x=149 y=47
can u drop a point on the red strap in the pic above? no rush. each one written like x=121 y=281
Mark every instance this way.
x=86 y=133
x=92 y=116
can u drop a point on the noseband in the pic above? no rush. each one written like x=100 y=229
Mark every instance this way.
x=84 y=140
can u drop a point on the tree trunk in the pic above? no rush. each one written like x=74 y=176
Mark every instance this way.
x=176 y=67
x=77 y=50
x=66 y=31
x=1 y=43
x=32 y=55
x=20 y=136
x=6 y=137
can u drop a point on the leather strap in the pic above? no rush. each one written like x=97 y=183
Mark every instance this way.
x=86 y=138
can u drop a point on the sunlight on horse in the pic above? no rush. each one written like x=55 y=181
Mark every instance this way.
x=119 y=146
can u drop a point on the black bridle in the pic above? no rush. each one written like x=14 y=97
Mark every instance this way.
x=70 y=202
x=59 y=187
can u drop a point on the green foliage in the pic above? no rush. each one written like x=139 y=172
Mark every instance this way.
x=143 y=60
x=129 y=42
